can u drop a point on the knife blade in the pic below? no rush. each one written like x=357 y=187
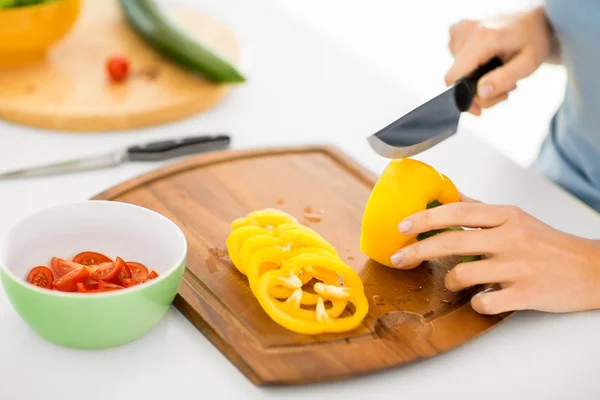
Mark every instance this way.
x=433 y=121
x=153 y=151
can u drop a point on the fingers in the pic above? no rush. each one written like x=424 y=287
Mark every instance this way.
x=497 y=301
x=475 y=109
x=504 y=79
x=482 y=45
x=479 y=104
x=471 y=215
x=459 y=33
x=487 y=103
x=488 y=271
x=445 y=244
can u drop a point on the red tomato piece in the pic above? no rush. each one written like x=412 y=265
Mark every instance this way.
x=125 y=271
x=90 y=284
x=138 y=271
x=152 y=275
x=108 y=285
x=133 y=282
x=117 y=67
x=81 y=287
x=62 y=267
x=68 y=282
x=41 y=276
x=106 y=271
x=90 y=258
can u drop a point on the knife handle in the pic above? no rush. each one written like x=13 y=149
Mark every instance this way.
x=163 y=150
x=466 y=87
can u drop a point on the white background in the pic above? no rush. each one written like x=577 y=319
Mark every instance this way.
x=301 y=91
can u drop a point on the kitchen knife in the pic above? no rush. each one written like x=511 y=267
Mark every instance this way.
x=431 y=122
x=154 y=151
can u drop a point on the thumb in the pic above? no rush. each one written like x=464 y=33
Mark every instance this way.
x=504 y=79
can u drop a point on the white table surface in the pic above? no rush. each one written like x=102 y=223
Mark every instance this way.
x=302 y=89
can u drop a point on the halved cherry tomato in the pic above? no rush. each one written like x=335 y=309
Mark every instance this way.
x=82 y=289
x=108 y=285
x=90 y=258
x=138 y=271
x=41 y=276
x=152 y=275
x=133 y=282
x=106 y=271
x=68 y=282
x=90 y=284
x=125 y=272
x=62 y=267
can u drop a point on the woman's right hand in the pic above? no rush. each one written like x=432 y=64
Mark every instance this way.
x=523 y=42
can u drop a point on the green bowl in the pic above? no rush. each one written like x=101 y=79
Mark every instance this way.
x=98 y=320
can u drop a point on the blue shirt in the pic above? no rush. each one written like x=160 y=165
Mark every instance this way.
x=570 y=154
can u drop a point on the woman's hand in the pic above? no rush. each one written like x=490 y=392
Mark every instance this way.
x=522 y=41
x=537 y=266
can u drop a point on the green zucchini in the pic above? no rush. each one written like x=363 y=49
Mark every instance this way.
x=166 y=37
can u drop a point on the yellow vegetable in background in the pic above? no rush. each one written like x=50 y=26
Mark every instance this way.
x=405 y=187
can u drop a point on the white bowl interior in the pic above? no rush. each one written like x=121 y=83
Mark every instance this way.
x=112 y=228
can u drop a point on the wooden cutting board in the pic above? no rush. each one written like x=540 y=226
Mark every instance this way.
x=411 y=314
x=69 y=90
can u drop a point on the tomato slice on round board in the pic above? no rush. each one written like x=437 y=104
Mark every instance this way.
x=62 y=267
x=138 y=271
x=90 y=258
x=68 y=282
x=152 y=275
x=108 y=271
x=41 y=276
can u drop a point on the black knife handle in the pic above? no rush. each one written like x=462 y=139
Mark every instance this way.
x=163 y=150
x=466 y=87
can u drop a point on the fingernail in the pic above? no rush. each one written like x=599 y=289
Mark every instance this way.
x=485 y=91
x=397 y=259
x=405 y=225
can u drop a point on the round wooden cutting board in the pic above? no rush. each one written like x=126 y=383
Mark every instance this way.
x=69 y=90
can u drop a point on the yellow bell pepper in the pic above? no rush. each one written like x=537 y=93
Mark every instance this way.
x=289 y=313
x=405 y=187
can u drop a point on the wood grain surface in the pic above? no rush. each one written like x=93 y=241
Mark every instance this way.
x=411 y=315
x=69 y=89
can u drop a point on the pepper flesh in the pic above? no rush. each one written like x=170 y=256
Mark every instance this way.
x=291 y=316
x=405 y=187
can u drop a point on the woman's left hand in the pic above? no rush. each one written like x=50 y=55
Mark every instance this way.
x=537 y=266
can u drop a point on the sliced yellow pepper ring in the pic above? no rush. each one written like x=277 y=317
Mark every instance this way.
x=264 y=218
x=290 y=315
x=290 y=240
x=237 y=238
x=270 y=258
x=242 y=233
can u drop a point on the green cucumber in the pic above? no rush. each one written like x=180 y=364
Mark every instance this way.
x=166 y=37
